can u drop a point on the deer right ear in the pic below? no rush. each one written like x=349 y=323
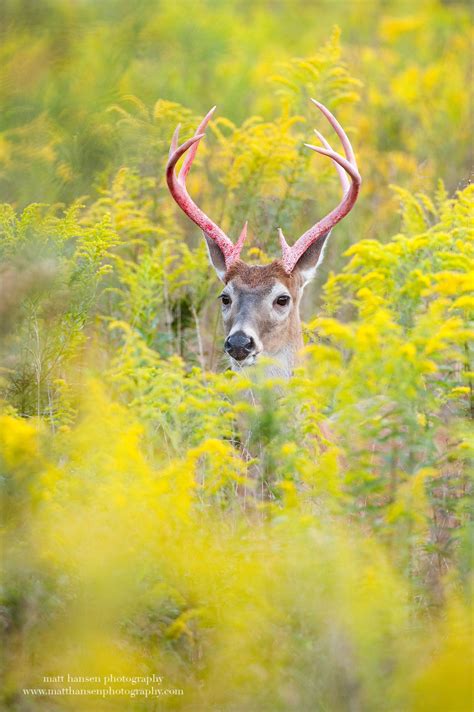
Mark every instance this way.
x=310 y=260
x=216 y=257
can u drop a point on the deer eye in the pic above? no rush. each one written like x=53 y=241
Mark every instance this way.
x=283 y=300
x=225 y=299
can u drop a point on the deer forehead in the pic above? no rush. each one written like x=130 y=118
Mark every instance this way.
x=261 y=279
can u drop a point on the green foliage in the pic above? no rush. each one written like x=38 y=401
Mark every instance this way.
x=52 y=267
x=87 y=89
x=304 y=510
x=325 y=74
x=263 y=545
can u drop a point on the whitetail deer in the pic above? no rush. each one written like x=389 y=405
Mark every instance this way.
x=260 y=303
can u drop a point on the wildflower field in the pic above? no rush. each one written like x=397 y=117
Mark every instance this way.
x=177 y=536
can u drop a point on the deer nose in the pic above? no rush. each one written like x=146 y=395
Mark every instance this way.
x=239 y=345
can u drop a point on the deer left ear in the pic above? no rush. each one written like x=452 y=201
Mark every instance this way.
x=216 y=257
x=310 y=260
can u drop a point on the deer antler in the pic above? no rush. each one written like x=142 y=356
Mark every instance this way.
x=177 y=186
x=347 y=165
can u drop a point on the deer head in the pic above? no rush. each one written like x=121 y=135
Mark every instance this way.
x=260 y=303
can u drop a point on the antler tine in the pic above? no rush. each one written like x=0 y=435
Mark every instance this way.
x=342 y=175
x=348 y=150
x=176 y=153
x=177 y=187
x=201 y=129
x=174 y=141
x=346 y=166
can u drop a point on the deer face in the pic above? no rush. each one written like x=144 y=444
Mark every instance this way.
x=260 y=310
x=260 y=307
x=260 y=304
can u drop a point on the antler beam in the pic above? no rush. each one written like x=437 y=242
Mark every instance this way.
x=346 y=166
x=177 y=186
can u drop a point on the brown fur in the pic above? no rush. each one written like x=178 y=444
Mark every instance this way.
x=255 y=276
x=281 y=339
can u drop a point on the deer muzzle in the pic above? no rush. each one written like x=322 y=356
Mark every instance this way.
x=239 y=345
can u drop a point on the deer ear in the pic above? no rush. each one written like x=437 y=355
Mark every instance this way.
x=216 y=257
x=310 y=260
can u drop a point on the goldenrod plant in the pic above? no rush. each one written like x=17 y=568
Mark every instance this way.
x=176 y=535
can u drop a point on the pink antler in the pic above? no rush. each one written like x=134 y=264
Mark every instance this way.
x=177 y=186
x=344 y=166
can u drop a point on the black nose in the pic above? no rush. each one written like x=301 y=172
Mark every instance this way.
x=239 y=345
